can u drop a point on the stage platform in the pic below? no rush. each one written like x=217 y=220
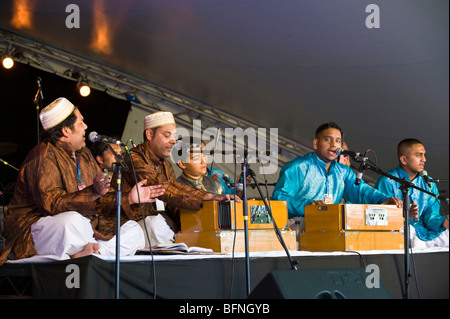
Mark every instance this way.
x=211 y=276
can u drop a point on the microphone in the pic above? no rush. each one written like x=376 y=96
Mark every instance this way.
x=360 y=173
x=95 y=137
x=132 y=143
x=425 y=176
x=227 y=180
x=341 y=151
x=40 y=88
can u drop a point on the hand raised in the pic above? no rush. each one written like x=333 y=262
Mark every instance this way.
x=414 y=211
x=147 y=194
x=101 y=184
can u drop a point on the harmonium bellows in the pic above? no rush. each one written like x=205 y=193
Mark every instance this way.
x=217 y=224
x=345 y=227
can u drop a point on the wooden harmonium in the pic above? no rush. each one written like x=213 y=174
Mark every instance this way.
x=346 y=227
x=220 y=226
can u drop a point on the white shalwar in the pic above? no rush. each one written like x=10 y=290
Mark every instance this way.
x=61 y=236
x=441 y=241
x=158 y=230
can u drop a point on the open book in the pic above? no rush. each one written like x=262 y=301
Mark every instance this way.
x=176 y=248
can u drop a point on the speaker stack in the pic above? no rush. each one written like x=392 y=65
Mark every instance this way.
x=319 y=284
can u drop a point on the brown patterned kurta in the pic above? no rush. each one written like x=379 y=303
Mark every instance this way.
x=207 y=183
x=47 y=184
x=156 y=171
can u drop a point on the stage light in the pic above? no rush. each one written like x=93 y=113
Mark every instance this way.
x=84 y=88
x=8 y=62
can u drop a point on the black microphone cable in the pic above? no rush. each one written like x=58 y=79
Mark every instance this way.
x=143 y=221
x=293 y=263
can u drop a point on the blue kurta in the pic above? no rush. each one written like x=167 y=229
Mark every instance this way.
x=305 y=179
x=429 y=224
x=225 y=188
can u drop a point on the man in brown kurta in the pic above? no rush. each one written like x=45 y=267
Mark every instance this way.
x=150 y=163
x=60 y=175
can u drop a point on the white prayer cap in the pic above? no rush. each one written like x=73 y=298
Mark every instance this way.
x=56 y=112
x=158 y=119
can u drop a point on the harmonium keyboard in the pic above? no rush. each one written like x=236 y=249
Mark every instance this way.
x=220 y=226
x=347 y=227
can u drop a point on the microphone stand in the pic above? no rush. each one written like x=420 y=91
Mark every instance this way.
x=405 y=185
x=244 y=173
x=118 y=166
x=38 y=102
x=245 y=211
x=277 y=230
x=245 y=214
x=7 y=164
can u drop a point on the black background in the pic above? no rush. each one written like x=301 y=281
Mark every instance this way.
x=19 y=119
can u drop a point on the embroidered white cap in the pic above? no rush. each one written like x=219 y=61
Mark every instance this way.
x=158 y=119
x=56 y=112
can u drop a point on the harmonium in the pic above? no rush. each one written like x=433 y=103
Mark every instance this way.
x=220 y=227
x=347 y=227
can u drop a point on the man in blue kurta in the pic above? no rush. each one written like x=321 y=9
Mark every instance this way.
x=428 y=228
x=318 y=179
